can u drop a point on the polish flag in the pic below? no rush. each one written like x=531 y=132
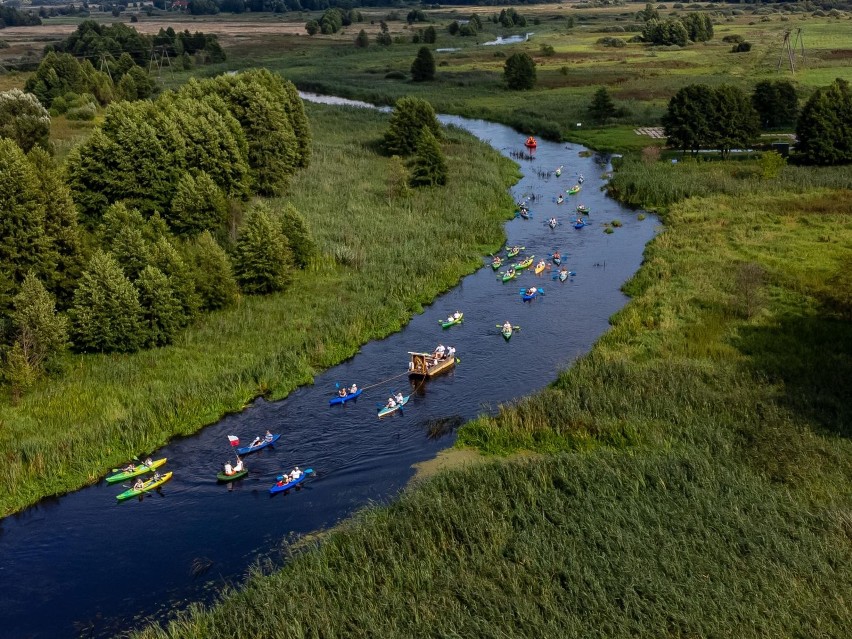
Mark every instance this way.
x=235 y=441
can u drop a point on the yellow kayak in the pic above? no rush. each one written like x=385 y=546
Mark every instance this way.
x=540 y=267
x=151 y=484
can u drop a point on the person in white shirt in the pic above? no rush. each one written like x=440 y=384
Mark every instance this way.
x=229 y=470
x=238 y=467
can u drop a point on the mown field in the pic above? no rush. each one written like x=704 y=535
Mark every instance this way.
x=101 y=410
x=695 y=478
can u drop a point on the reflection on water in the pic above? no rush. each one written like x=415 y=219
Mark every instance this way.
x=84 y=563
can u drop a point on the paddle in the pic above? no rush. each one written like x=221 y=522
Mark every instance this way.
x=517 y=328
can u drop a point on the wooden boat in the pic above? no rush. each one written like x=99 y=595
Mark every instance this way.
x=451 y=322
x=540 y=267
x=425 y=364
x=574 y=190
x=531 y=143
x=387 y=410
x=496 y=263
x=524 y=263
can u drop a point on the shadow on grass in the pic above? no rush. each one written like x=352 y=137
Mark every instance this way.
x=812 y=357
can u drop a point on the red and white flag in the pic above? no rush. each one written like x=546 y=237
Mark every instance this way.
x=235 y=441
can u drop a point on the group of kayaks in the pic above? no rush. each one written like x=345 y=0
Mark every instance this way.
x=136 y=470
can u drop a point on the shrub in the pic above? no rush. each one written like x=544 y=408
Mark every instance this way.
x=611 y=42
x=742 y=47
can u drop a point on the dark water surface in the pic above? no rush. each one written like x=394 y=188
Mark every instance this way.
x=84 y=565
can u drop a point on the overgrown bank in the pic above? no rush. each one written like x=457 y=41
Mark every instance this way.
x=105 y=408
x=701 y=481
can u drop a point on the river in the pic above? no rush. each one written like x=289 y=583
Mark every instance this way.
x=83 y=565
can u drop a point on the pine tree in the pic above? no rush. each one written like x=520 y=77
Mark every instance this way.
x=362 y=40
x=162 y=312
x=423 y=67
x=409 y=117
x=198 y=205
x=39 y=333
x=263 y=262
x=428 y=166
x=295 y=229
x=61 y=229
x=602 y=107
x=166 y=257
x=131 y=251
x=212 y=273
x=105 y=316
x=23 y=245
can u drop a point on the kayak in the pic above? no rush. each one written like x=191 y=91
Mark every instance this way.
x=141 y=469
x=341 y=400
x=266 y=442
x=574 y=189
x=233 y=476
x=582 y=208
x=448 y=323
x=387 y=411
x=530 y=143
x=524 y=263
x=524 y=213
x=563 y=275
x=557 y=260
x=512 y=252
x=496 y=263
x=579 y=225
x=552 y=224
x=151 y=484
x=507 y=333
x=559 y=171
x=276 y=488
x=560 y=200
x=529 y=296
x=509 y=276
x=540 y=267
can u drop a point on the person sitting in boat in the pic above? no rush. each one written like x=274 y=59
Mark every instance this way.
x=399 y=398
x=137 y=485
x=581 y=179
x=507 y=326
x=560 y=199
x=457 y=315
x=353 y=389
x=341 y=392
x=157 y=476
x=148 y=462
x=552 y=221
x=580 y=220
x=510 y=272
x=257 y=441
x=391 y=403
x=229 y=470
x=439 y=352
x=531 y=291
x=296 y=474
x=129 y=468
x=268 y=437
x=238 y=467
x=557 y=256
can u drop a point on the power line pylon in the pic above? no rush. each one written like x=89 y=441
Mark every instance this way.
x=792 y=46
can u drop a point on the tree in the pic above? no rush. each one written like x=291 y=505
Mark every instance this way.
x=131 y=251
x=602 y=107
x=162 y=312
x=776 y=102
x=198 y=205
x=295 y=229
x=23 y=245
x=212 y=273
x=648 y=13
x=106 y=315
x=362 y=40
x=428 y=167
x=142 y=80
x=61 y=229
x=734 y=122
x=453 y=28
x=39 y=333
x=263 y=262
x=24 y=120
x=430 y=35
x=824 y=128
x=312 y=27
x=687 y=121
x=409 y=117
x=519 y=72
x=423 y=67
x=699 y=26
x=166 y=257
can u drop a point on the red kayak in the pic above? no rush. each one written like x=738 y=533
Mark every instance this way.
x=530 y=143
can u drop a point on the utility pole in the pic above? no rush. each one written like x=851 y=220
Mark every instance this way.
x=792 y=46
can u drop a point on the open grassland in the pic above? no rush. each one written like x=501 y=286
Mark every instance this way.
x=103 y=409
x=697 y=469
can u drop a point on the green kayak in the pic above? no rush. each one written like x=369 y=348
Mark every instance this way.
x=513 y=251
x=223 y=477
x=151 y=484
x=451 y=322
x=507 y=333
x=509 y=275
x=140 y=469
x=524 y=263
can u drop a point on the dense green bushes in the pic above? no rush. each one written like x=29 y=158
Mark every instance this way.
x=824 y=129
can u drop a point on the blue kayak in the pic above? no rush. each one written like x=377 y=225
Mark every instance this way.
x=345 y=398
x=579 y=225
x=245 y=450
x=280 y=488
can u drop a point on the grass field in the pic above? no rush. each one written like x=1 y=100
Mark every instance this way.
x=103 y=409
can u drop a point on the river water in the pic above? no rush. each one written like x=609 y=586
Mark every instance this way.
x=83 y=565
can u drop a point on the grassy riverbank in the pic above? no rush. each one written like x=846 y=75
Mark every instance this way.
x=381 y=261
x=699 y=481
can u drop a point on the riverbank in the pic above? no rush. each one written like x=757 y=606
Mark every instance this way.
x=68 y=431
x=700 y=471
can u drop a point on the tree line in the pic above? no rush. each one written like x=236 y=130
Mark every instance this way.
x=139 y=232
